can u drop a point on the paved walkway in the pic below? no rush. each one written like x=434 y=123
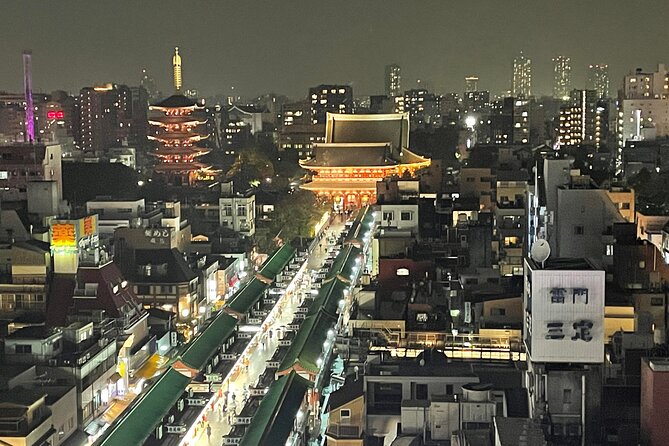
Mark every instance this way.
x=220 y=418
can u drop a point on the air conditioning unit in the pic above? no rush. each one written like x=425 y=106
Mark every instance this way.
x=176 y=429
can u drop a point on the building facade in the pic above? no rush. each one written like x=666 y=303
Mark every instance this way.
x=393 y=80
x=522 y=76
x=561 y=77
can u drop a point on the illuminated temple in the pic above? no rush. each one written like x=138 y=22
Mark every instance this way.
x=177 y=121
x=359 y=151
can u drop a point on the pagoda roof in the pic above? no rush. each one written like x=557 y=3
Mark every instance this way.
x=176 y=101
x=178 y=136
x=164 y=151
x=183 y=120
x=350 y=155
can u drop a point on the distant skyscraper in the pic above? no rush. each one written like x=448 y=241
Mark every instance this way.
x=393 y=80
x=176 y=66
x=522 y=76
x=561 y=77
x=471 y=83
x=598 y=79
x=149 y=85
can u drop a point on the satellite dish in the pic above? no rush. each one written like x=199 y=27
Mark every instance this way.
x=540 y=251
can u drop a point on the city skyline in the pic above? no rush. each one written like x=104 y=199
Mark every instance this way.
x=225 y=46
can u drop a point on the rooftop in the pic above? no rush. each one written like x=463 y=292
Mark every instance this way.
x=175 y=101
x=565 y=264
x=33 y=332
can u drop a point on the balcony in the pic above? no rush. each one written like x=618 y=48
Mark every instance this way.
x=338 y=430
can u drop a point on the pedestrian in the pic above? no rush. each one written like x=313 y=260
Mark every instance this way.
x=209 y=433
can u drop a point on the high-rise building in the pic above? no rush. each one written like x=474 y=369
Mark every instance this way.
x=393 y=80
x=471 y=83
x=598 y=79
x=105 y=113
x=423 y=108
x=644 y=112
x=584 y=120
x=476 y=101
x=330 y=99
x=522 y=76
x=561 y=77
x=149 y=84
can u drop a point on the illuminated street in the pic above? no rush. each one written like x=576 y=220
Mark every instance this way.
x=220 y=419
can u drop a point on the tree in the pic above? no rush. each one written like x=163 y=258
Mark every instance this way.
x=297 y=214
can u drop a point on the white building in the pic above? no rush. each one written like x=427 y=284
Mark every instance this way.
x=563 y=303
x=237 y=211
x=123 y=155
x=644 y=110
x=564 y=311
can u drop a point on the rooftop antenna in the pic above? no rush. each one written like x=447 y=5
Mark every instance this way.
x=28 y=91
x=540 y=251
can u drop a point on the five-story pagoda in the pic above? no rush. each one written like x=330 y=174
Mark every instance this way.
x=178 y=124
x=177 y=132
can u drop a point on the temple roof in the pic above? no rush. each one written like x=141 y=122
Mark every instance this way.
x=382 y=128
x=344 y=155
x=175 y=101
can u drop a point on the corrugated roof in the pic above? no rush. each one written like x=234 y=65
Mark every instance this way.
x=277 y=261
x=245 y=298
x=275 y=417
x=307 y=346
x=200 y=349
x=139 y=421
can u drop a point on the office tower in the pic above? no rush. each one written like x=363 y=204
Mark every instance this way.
x=393 y=80
x=598 y=79
x=561 y=77
x=176 y=68
x=330 y=99
x=471 y=83
x=522 y=76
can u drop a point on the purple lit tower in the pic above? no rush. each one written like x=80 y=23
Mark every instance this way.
x=28 y=90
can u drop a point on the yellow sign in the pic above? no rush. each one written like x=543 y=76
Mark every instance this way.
x=63 y=234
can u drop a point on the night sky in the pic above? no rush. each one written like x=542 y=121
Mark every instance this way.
x=287 y=46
